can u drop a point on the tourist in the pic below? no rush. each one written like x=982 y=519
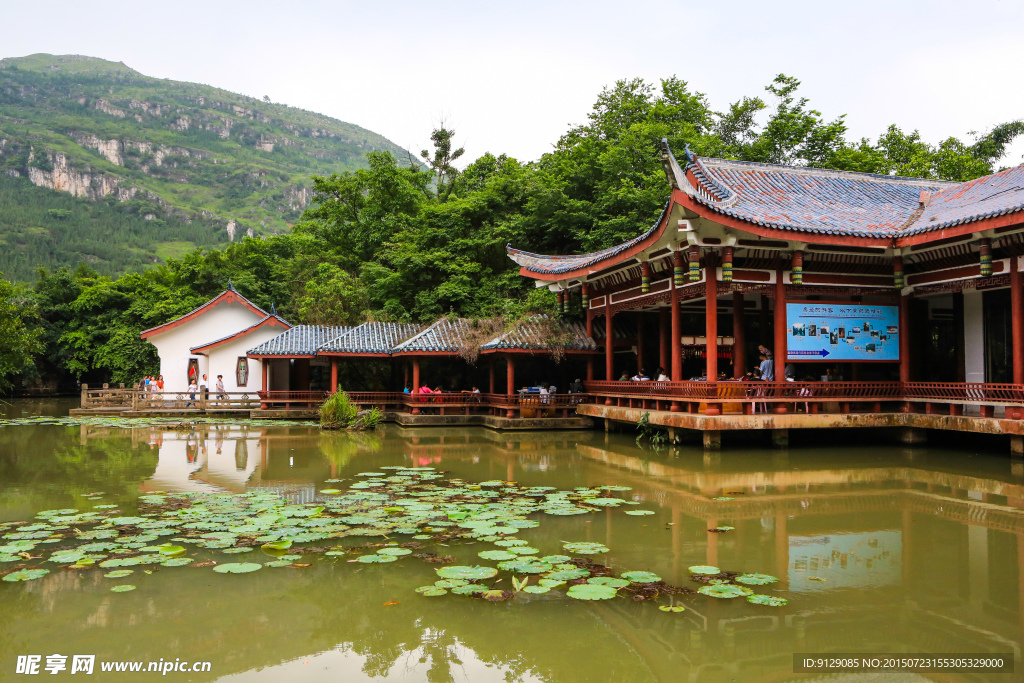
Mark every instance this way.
x=767 y=368
x=220 y=388
x=406 y=390
x=641 y=376
x=160 y=383
x=204 y=384
x=763 y=350
x=474 y=395
x=192 y=389
x=576 y=387
x=545 y=395
x=624 y=377
x=662 y=377
x=790 y=372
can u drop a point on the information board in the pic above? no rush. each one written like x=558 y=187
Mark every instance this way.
x=842 y=332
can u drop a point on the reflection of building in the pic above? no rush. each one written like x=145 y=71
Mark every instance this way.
x=219 y=458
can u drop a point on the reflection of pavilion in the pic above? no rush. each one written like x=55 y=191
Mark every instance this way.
x=220 y=458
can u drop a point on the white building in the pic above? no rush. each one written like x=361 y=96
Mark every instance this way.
x=212 y=340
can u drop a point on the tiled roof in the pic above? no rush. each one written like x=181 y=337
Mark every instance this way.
x=371 y=337
x=993 y=195
x=445 y=335
x=240 y=333
x=301 y=340
x=538 y=263
x=525 y=333
x=229 y=294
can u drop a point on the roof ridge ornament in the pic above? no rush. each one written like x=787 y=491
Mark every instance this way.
x=273 y=309
x=688 y=154
x=231 y=287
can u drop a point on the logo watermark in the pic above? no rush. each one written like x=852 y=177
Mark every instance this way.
x=31 y=665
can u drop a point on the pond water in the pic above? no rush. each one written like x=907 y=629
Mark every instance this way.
x=877 y=549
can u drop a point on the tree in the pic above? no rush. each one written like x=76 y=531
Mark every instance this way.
x=18 y=339
x=442 y=160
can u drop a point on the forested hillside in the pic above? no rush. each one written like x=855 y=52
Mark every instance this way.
x=407 y=243
x=177 y=165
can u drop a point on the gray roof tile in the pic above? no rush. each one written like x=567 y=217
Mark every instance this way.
x=301 y=340
x=371 y=337
x=445 y=335
x=525 y=333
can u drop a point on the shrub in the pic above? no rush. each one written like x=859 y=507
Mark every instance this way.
x=337 y=412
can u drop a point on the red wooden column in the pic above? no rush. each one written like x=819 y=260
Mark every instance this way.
x=609 y=343
x=711 y=325
x=739 y=356
x=677 y=327
x=664 y=347
x=590 y=335
x=904 y=311
x=490 y=375
x=1017 y=318
x=264 y=365
x=334 y=375
x=779 y=358
x=639 y=341
x=415 y=384
x=511 y=382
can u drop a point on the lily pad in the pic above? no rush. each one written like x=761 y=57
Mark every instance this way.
x=723 y=498
x=177 y=562
x=237 y=567
x=536 y=590
x=590 y=591
x=586 y=548
x=233 y=551
x=551 y=583
x=469 y=589
x=123 y=588
x=608 y=581
x=769 y=600
x=462 y=572
x=376 y=559
x=672 y=608
x=394 y=552
x=496 y=555
x=569 y=574
x=496 y=595
x=727 y=590
x=283 y=544
x=431 y=591
x=26 y=575
x=704 y=569
x=639 y=513
x=119 y=573
x=756 y=579
x=641 y=577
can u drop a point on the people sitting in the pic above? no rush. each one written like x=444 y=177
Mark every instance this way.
x=641 y=376
x=545 y=395
x=662 y=377
x=624 y=377
x=474 y=395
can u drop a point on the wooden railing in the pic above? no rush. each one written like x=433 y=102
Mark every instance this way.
x=106 y=397
x=813 y=397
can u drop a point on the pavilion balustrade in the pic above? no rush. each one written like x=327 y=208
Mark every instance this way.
x=812 y=397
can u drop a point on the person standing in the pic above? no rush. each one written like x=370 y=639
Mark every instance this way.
x=767 y=368
x=221 y=393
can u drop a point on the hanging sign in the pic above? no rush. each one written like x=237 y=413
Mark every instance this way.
x=818 y=331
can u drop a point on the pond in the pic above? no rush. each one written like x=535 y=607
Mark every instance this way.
x=876 y=548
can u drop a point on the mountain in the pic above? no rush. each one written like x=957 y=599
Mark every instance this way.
x=102 y=164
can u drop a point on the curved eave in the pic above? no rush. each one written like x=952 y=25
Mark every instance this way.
x=598 y=263
x=417 y=352
x=541 y=351
x=270 y=321
x=355 y=354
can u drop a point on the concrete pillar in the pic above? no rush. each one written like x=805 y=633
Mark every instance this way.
x=607 y=425
x=780 y=438
x=739 y=356
x=912 y=436
x=977 y=564
x=672 y=434
x=1017 y=451
x=974 y=336
x=712 y=440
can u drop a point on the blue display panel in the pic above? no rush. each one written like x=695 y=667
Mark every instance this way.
x=842 y=332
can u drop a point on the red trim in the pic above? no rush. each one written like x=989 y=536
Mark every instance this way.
x=425 y=353
x=1011 y=219
x=538 y=352
x=605 y=263
x=830 y=279
x=227 y=296
x=753 y=276
x=347 y=354
x=949 y=274
x=282 y=356
x=268 y=322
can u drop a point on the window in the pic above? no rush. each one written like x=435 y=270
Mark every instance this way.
x=193 y=370
x=242 y=371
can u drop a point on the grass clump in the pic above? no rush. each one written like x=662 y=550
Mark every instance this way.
x=337 y=412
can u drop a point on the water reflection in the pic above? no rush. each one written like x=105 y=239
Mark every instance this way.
x=877 y=549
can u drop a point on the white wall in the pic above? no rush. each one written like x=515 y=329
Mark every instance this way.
x=223 y=359
x=173 y=345
x=974 y=336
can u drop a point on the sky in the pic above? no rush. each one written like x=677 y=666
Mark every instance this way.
x=512 y=77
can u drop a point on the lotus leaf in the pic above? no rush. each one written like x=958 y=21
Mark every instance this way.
x=10 y=558
x=756 y=579
x=641 y=577
x=509 y=542
x=603 y=502
x=616 y=488
x=451 y=583
x=639 y=513
x=768 y=600
x=330 y=492
x=496 y=555
x=232 y=551
x=177 y=562
x=468 y=589
x=463 y=572
x=237 y=567
x=26 y=574
x=119 y=573
x=551 y=583
x=555 y=559
x=536 y=590
x=334 y=553
x=705 y=570
x=608 y=581
x=526 y=565
x=672 y=608
x=376 y=559
x=496 y=595
x=394 y=552
x=724 y=591
x=124 y=588
x=283 y=544
x=523 y=550
x=278 y=563
x=722 y=498
x=569 y=574
x=586 y=548
x=590 y=591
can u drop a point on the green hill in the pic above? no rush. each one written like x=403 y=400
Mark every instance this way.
x=102 y=164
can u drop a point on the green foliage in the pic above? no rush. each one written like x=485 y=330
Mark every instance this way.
x=337 y=412
x=18 y=340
